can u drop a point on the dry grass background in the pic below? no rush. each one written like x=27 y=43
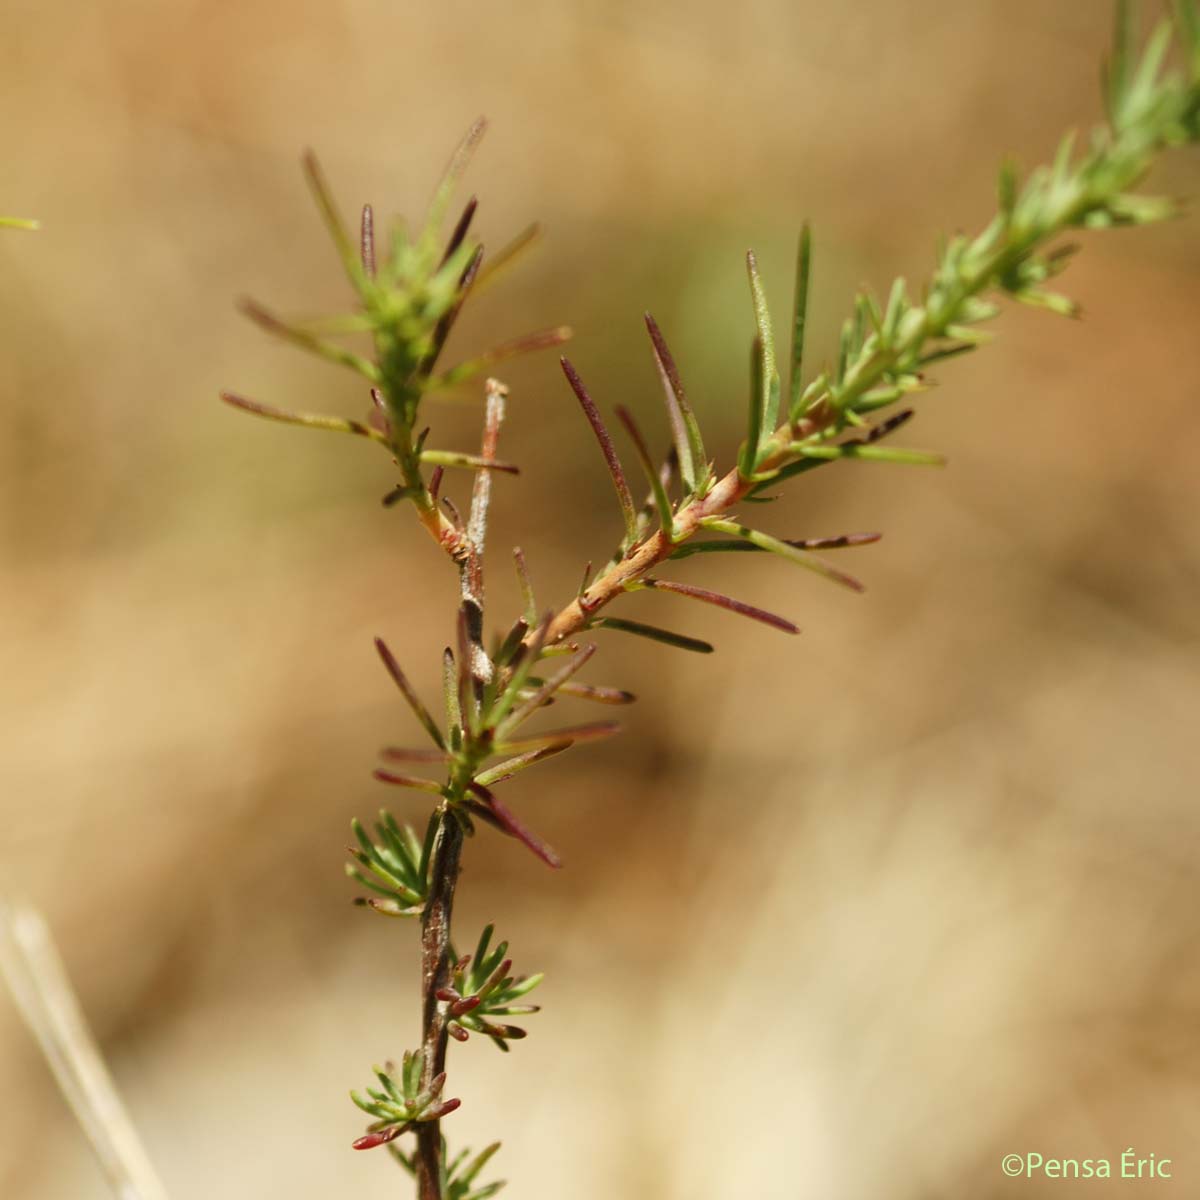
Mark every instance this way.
x=918 y=889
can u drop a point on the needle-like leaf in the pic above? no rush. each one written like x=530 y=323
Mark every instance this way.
x=406 y=690
x=512 y=766
x=334 y=223
x=721 y=601
x=527 y=707
x=530 y=613
x=492 y=809
x=523 y=662
x=689 y=446
x=666 y=514
x=801 y=557
x=409 y=754
x=543 y=339
x=509 y=253
x=589 y=691
x=459 y=234
x=764 y=382
x=309 y=341
x=408 y=781
x=590 y=731
x=473 y=462
x=654 y=633
x=366 y=241
x=615 y=470
x=724 y=546
x=799 y=322
x=308 y=420
x=455 y=170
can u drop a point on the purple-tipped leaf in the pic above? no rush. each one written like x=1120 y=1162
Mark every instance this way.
x=406 y=754
x=723 y=601
x=408 y=781
x=308 y=420
x=601 y=695
x=380 y=1138
x=459 y=234
x=338 y=231
x=509 y=253
x=308 y=341
x=513 y=766
x=496 y=812
x=689 y=446
x=526 y=708
x=615 y=470
x=665 y=514
x=543 y=339
x=590 y=731
x=406 y=690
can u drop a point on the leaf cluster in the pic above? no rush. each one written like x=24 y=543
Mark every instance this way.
x=400 y=1103
x=886 y=349
x=395 y=865
x=482 y=991
x=408 y=297
x=488 y=701
x=458 y=1174
x=796 y=420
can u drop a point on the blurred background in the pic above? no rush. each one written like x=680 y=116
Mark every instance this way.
x=848 y=915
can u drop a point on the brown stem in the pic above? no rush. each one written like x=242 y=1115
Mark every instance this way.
x=435 y=920
x=435 y=974
x=729 y=490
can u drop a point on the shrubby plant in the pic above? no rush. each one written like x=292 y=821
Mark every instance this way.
x=408 y=291
x=407 y=298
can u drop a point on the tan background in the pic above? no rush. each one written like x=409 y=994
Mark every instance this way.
x=850 y=915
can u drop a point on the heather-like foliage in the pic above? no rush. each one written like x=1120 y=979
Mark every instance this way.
x=797 y=420
x=409 y=289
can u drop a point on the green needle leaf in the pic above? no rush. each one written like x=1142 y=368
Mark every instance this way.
x=654 y=633
x=512 y=766
x=689 y=446
x=530 y=613
x=799 y=320
x=330 y=214
x=308 y=420
x=523 y=711
x=764 y=408
x=309 y=341
x=801 y=558
x=543 y=339
x=455 y=169
x=662 y=501
x=472 y=462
